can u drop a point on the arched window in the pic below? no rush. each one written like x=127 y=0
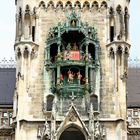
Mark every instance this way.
x=77 y=5
x=33 y=28
x=19 y=58
x=126 y=18
x=119 y=18
x=119 y=56
x=50 y=99
x=112 y=62
x=111 y=24
x=94 y=101
x=27 y=22
x=119 y=64
x=126 y=55
x=19 y=24
x=26 y=53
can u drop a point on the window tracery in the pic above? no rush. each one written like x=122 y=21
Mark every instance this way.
x=42 y=4
x=95 y=5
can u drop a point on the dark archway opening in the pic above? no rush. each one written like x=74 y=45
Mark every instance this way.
x=72 y=133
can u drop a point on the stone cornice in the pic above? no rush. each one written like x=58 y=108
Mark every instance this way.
x=133 y=131
x=118 y=43
x=25 y=42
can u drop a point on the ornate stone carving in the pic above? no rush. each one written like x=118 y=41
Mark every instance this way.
x=72 y=116
x=99 y=132
x=44 y=131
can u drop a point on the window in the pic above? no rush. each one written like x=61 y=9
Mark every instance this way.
x=33 y=33
x=5 y=118
x=135 y=113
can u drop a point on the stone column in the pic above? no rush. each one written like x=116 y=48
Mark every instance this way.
x=58 y=66
x=122 y=62
x=127 y=27
x=37 y=29
x=86 y=69
x=115 y=72
x=91 y=79
x=22 y=62
x=47 y=53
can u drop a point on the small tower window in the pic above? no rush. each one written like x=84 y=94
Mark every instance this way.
x=111 y=33
x=111 y=24
x=50 y=99
x=33 y=33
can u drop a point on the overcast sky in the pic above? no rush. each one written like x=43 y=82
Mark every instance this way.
x=7 y=28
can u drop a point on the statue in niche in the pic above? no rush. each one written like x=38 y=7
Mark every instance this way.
x=68 y=47
x=61 y=78
x=79 y=77
x=75 y=47
x=70 y=77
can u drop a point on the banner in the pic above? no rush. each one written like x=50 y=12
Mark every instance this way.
x=71 y=55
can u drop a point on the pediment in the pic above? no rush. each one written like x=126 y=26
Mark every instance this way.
x=73 y=119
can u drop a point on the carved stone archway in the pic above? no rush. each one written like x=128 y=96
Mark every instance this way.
x=72 y=133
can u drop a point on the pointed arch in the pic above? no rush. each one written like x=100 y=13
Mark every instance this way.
x=77 y=4
x=27 y=22
x=120 y=22
x=119 y=55
x=126 y=22
x=26 y=53
x=111 y=24
x=119 y=64
x=27 y=10
x=95 y=5
x=73 y=132
x=112 y=65
x=50 y=99
x=86 y=4
x=119 y=9
x=94 y=101
x=50 y=4
x=126 y=55
x=18 y=53
x=18 y=60
x=104 y=5
x=68 y=5
x=111 y=11
x=19 y=25
x=111 y=53
x=59 y=5
x=42 y=4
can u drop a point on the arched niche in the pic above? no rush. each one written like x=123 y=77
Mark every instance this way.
x=94 y=101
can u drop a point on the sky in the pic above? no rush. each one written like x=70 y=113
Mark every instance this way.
x=7 y=29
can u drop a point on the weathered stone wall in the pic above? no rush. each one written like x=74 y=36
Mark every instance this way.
x=30 y=86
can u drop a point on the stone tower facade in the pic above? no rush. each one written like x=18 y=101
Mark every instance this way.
x=71 y=70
